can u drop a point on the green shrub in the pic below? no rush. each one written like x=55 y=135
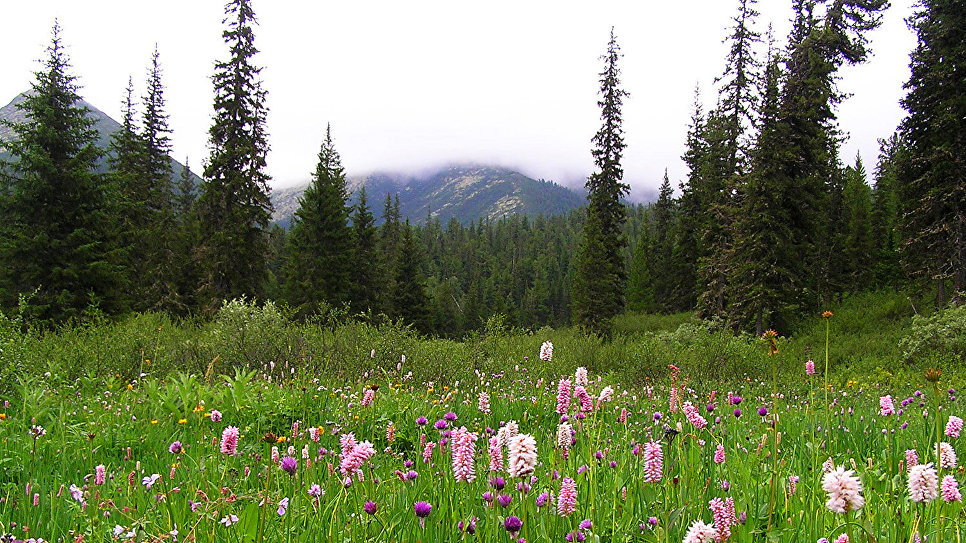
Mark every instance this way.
x=938 y=338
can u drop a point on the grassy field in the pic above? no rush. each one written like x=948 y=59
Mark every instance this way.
x=350 y=431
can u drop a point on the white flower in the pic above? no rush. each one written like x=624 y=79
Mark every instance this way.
x=844 y=490
x=149 y=481
x=228 y=520
x=699 y=532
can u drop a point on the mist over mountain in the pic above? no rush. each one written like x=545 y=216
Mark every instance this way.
x=465 y=192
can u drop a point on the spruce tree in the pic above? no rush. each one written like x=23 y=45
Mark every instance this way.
x=410 y=300
x=367 y=265
x=234 y=209
x=662 y=270
x=858 y=246
x=600 y=276
x=126 y=163
x=886 y=212
x=640 y=282
x=934 y=180
x=58 y=224
x=687 y=234
x=740 y=85
x=318 y=255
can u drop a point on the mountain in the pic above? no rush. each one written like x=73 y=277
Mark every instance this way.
x=463 y=192
x=103 y=123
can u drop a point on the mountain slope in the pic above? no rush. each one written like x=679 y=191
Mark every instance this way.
x=103 y=123
x=466 y=193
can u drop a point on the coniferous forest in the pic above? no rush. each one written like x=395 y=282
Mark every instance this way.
x=769 y=224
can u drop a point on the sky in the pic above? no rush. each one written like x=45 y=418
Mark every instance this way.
x=409 y=86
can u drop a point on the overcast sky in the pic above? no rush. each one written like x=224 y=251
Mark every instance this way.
x=412 y=85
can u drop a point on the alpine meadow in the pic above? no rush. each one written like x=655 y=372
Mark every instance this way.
x=758 y=340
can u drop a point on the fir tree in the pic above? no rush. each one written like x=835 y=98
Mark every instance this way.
x=859 y=246
x=739 y=85
x=318 y=255
x=234 y=208
x=640 y=282
x=934 y=180
x=410 y=301
x=600 y=277
x=367 y=265
x=886 y=212
x=687 y=245
x=57 y=224
x=662 y=270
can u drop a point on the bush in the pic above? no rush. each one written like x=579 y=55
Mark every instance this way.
x=937 y=338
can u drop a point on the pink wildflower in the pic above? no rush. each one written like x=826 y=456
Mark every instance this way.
x=428 y=452
x=699 y=532
x=673 y=400
x=567 y=501
x=653 y=462
x=314 y=434
x=950 y=489
x=886 y=407
x=351 y=464
x=844 y=491
x=563 y=396
x=484 y=402
x=606 y=395
x=276 y=457
x=367 y=397
x=229 y=441
x=215 y=415
x=844 y=538
x=719 y=454
x=496 y=455
x=586 y=402
x=523 y=455
x=912 y=458
x=463 y=451
x=580 y=376
x=100 y=475
x=347 y=442
x=810 y=368
x=923 y=483
x=546 y=351
x=954 y=426
x=792 y=484
x=947 y=455
x=695 y=418
x=723 y=512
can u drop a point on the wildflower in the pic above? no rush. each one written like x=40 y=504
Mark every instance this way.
x=586 y=403
x=606 y=395
x=289 y=465
x=351 y=463
x=923 y=483
x=496 y=455
x=77 y=494
x=954 y=426
x=946 y=454
x=911 y=458
x=844 y=538
x=809 y=368
x=149 y=481
x=504 y=500
x=469 y=527
x=367 y=397
x=546 y=351
x=691 y=413
x=542 y=499
x=565 y=435
x=100 y=474
x=844 y=490
x=886 y=407
x=523 y=455
x=422 y=510
x=483 y=402
x=762 y=411
x=699 y=532
x=792 y=484
x=441 y=425
x=563 y=396
x=175 y=448
x=422 y=421
x=282 y=507
x=950 y=489
x=391 y=432
x=228 y=520
x=723 y=512
x=182 y=421
x=513 y=525
x=229 y=441
x=463 y=452
x=370 y=507
x=719 y=454
x=37 y=431
x=653 y=462
x=933 y=375
x=428 y=452
x=827 y=314
x=315 y=491
x=567 y=501
x=580 y=376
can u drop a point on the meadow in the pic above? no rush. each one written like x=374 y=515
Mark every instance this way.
x=251 y=428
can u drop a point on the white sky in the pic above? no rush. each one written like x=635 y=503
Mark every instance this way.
x=412 y=85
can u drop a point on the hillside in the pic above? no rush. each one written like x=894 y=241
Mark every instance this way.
x=103 y=123
x=464 y=192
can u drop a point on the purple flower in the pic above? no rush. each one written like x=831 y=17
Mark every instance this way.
x=423 y=509
x=586 y=524
x=422 y=421
x=487 y=496
x=441 y=424
x=513 y=524
x=762 y=411
x=469 y=527
x=289 y=464
x=498 y=483
x=710 y=407
x=175 y=448
x=371 y=507
x=542 y=499
x=657 y=415
x=450 y=416
x=282 y=507
x=652 y=521
x=411 y=475
x=735 y=400
x=737 y=412
x=504 y=500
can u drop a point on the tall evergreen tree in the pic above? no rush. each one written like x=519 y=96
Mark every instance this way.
x=662 y=247
x=600 y=276
x=57 y=222
x=886 y=212
x=368 y=283
x=687 y=245
x=640 y=281
x=126 y=162
x=318 y=259
x=739 y=85
x=410 y=300
x=859 y=245
x=234 y=208
x=934 y=181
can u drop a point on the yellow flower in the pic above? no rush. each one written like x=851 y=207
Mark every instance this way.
x=207 y=415
x=321 y=430
x=827 y=315
x=280 y=439
x=3 y=416
x=198 y=409
x=182 y=421
x=154 y=422
x=130 y=386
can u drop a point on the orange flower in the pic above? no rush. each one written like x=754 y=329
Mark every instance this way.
x=3 y=416
x=827 y=314
x=182 y=421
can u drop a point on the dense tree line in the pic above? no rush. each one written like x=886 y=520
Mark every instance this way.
x=769 y=223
